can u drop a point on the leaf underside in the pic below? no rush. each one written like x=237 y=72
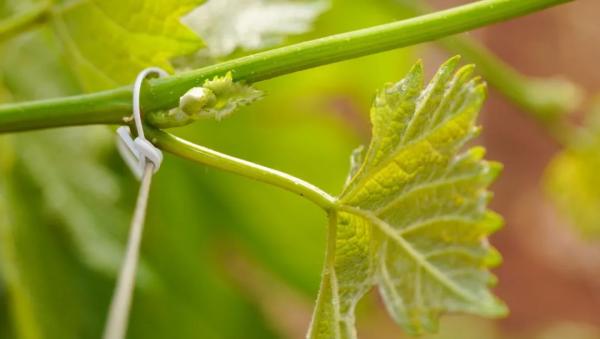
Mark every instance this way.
x=133 y=35
x=227 y=25
x=413 y=219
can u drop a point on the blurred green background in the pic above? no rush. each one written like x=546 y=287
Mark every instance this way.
x=226 y=257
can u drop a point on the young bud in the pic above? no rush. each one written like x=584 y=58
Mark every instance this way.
x=194 y=100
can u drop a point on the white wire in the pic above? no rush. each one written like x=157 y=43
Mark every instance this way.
x=144 y=159
x=118 y=316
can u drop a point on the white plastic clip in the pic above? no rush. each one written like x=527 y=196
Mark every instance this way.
x=137 y=152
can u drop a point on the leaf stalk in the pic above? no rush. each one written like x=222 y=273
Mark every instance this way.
x=209 y=157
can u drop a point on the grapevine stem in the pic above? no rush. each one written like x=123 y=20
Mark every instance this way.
x=112 y=107
x=206 y=156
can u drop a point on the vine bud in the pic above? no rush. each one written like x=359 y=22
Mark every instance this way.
x=195 y=100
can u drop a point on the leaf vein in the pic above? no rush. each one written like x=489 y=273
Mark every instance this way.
x=415 y=255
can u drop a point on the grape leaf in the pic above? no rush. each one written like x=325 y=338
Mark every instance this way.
x=43 y=298
x=412 y=220
x=108 y=42
x=250 y=24
x=79 y=190
x=571 y=180
x=61 y=162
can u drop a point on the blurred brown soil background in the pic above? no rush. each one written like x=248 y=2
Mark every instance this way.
x=549 y=273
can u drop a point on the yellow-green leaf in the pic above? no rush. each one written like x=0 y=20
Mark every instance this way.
x=108 y=42
x=572 y=180
x=413 y=219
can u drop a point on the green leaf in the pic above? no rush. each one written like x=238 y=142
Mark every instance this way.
x=62 y=163
x=412 y=220
x=108 y=42
x=229 y=95
x=47 y=287
x=44 y=262
x=79 y=191
x=571 y=180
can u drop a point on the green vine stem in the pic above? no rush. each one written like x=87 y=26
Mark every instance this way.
x=206 y=156
x=23 y=22
x=114 y=107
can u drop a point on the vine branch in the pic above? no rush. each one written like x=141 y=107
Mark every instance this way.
x=114 y=106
